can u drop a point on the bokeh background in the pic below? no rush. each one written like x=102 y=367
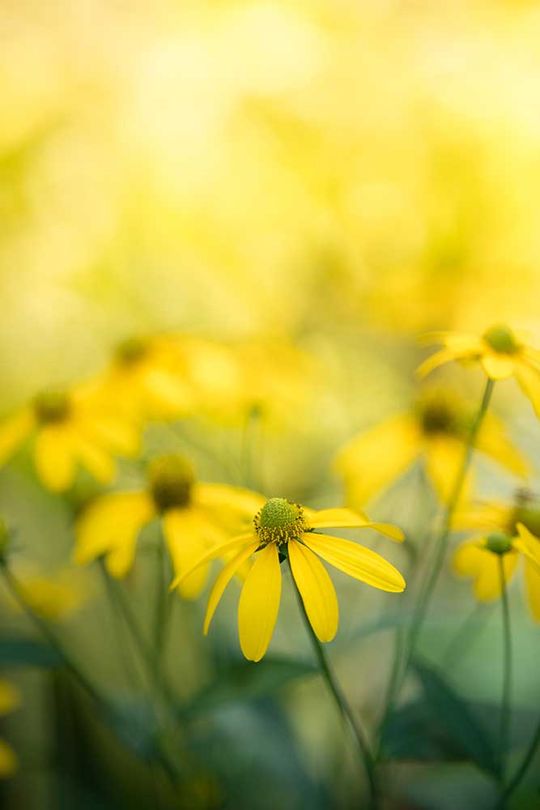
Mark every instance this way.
x=320 y=182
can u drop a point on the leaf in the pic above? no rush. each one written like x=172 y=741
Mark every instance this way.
x=27 y=652
x=439 y=726
x=243 y=681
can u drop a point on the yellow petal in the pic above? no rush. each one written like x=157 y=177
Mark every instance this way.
x=220 y=550
x=438 y=359
x=189 y=536
x=225 y=496
x=14 y=431
x=259 y=603
x=110 y=526
x=532 y=582
x=497 y=366
x=443 y=458
x=98 y=463
x=9 y=697
x=356 y=561
x=54 y=457
x=469 y=557
x=317 y=591
x=372 y=460
x=225 y=576
x=494 y=442
x=528 y=544
x=8 y=760
x=165 y=392
x=528 y=379
x=488 y=586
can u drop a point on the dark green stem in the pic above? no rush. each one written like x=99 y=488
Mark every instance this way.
x=514 y=783
x=341 y=701
x=504 y=723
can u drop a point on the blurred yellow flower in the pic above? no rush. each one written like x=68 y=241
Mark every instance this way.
x=500 y=353
x=68 y=429
x=282 y=527
x=511 y=531
x=194 y=518
x=9 y=700
x=52 y=596
x=434 y=430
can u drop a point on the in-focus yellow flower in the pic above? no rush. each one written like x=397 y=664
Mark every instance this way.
x=434 y=430
x=9 y=700
x=194 y=518
x=500 y=353
x=68 y=429
x=285 y=528
x=511 y=532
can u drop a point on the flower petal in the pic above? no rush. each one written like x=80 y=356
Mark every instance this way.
x=259 y=603
x=356 y=561
x=497 y=366
x=532 y=582
x=55 y=457
x=473 y=559
x=14 y=431
x=494 y=442
x=223 y=580
x=110 y=526
x=189 y=536
x=98 y=463
x=220 y=550
x=317 y=591
x=224 y=496
x=435 y=360
x=528 y=379
x=528 y=544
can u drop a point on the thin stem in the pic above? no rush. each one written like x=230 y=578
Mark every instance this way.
x=162 y=604
x=441 y=544
x=514 y=783
x=341 y=701
x=504 y=723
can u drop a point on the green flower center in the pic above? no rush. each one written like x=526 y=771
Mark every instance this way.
x=131 y=351
x=279 y=521
x=51 y=407
x=171 y=480
x=498 y=543
x=501 y=339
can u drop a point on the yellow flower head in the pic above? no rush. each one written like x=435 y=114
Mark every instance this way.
x=283 y=528
x=512 y=532
x=9 y=700
x=433 y=430
x=54 y=597
x=68 y=429
x=500 y=353
x=193 y=516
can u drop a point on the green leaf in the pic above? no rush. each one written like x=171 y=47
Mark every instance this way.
x=439 y=726
x=28 y=653
x=244 y=681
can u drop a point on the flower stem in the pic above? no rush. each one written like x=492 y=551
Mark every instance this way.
x=341 y=702
x=504 y=723
x=514 y=783
x=440 y=548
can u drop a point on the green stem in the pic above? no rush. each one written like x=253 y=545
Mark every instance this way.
x=341 y=701
x=441 y=544
x=514 y=783
x=162 y=604
x=504 y=724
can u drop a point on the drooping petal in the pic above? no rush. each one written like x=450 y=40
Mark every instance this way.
x=316 y=589
x=13 y=432
x=224 y=496
x=110 y=526
x=55 y=457
x=98 y=463
x=435 y=360
x=493 y=440
x=372 y=460
x=347 y=519
x=469 y=557
x=443 y=458
x=488 y=585
x=189 y=536
x=259 y=603
x=356 y=561
x=532 y=582
x=497 y=366
x=528 y=379
x=220 y=550
x=528 y=544
x=225 y=576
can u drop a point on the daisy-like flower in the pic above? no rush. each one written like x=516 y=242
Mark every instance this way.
x=288 y=529
x=9 y=700
x=435 y=431
x=511 y=532
x=68 y=429
x=500 y=353
x=194 y=516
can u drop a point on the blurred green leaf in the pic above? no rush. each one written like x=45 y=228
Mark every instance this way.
x=242 y=681
x=27 y=652
x=439 y=726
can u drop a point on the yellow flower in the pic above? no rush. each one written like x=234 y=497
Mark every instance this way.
x=52 y=597
x=434 y=430
x=68 y=428
x=513 y=532
x=500 y=353
x=193 y=515
x=9 y=700
x=285 y=528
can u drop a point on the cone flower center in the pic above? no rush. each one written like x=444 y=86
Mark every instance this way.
x=171 y=480
x=501 y=339
x=51 y=407
x=279 y=521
